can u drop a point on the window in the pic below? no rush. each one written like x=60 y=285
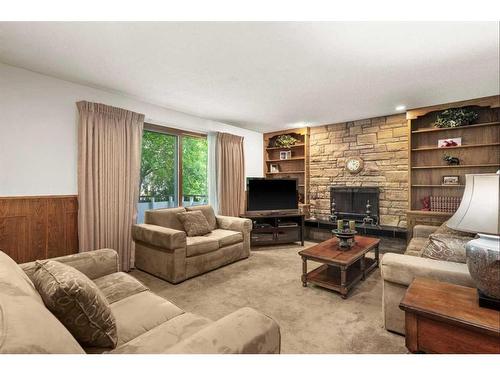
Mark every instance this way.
x=173 y=169
x=194 y=170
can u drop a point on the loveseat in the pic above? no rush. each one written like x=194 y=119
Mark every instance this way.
x=399 y=270
x=163 y=249
x=145 y=322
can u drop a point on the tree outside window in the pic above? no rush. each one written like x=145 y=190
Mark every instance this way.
x=165 y=170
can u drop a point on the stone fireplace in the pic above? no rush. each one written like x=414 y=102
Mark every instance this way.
x=350 y=202
x=382 y=143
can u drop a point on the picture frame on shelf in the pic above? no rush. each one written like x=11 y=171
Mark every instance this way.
x=450 y=142
x=285 y=155
x=451 y=180
x=274 y=168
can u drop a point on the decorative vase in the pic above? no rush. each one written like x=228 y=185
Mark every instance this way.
x=346 y=237
x=483 y=261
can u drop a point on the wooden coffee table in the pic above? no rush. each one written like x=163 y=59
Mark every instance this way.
x=341 y=269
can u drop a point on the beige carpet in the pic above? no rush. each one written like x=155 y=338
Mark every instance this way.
x=312 y=319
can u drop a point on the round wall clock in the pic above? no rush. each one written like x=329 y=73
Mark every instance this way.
x=354 y=165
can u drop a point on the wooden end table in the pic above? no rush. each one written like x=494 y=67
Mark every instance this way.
x=446 y=318
x=341 y=269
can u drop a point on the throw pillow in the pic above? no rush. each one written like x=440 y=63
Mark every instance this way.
x=77 y=302
x=209 y=213
x=194 y=222
x=446 y=247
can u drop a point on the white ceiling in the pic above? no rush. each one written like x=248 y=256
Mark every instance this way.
x=267 y=76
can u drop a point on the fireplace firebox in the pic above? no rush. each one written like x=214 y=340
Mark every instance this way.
x=352 y=203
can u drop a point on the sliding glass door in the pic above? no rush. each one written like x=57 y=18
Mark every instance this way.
x=173 y=169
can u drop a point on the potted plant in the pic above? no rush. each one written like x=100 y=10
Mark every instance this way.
x=454 y=117
x=285 y=140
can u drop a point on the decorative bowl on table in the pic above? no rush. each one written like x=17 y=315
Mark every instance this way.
x=345 y=236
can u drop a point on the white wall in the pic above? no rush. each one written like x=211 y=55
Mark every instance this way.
x=38 y=131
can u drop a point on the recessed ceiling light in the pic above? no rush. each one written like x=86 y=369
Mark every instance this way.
x=400 y=108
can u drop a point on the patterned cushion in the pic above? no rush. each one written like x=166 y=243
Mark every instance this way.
x=194 y=222
x=209 y=213
x=77 y=302
x=446 y=247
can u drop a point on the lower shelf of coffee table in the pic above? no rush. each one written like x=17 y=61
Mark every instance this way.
x=329 y=277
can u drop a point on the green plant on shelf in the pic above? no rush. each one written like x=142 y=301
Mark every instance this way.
x=455 y=117
x=285 y=140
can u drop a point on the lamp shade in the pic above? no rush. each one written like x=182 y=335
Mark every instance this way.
x=479 y=210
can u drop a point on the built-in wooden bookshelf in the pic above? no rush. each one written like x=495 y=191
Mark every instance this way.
x=478 y=153
x=296 y=166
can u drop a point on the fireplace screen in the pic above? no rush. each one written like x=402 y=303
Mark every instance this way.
x=350 y=202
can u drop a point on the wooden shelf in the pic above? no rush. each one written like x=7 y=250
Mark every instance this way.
x=458 y=166
x=298 y=163
x=448 y=148
x=426 y=169
x=279 y=160
x=427 y=130
x=290 y=172
x=286 y=148
x=440 y=186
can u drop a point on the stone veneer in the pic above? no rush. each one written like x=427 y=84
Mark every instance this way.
x=382 y=143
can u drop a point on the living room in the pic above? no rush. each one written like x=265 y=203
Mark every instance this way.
x=250 y=188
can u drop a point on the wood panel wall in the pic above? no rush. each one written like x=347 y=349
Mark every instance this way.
x=38 y=227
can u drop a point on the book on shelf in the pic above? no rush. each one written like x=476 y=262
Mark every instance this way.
x=444 y=204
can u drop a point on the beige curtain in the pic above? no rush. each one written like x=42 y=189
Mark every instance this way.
x=230 y=174
x=109 y=149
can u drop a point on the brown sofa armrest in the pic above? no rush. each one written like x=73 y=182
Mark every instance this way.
x=93 y=264
x=423 y=230
x=165 y=238
x=244 y=331
x=402 y=269
x=237 y=224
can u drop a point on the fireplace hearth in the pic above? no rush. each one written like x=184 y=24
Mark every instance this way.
x=350 y=203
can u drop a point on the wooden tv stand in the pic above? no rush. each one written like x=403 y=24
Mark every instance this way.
x=276 y=228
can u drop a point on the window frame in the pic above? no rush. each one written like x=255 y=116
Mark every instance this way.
x=179 y=133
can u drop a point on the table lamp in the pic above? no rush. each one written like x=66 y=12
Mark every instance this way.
x=479 y=212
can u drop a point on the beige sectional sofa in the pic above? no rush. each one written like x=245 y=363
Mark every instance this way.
x=399 y=270
x=163 y=249
x=146 y=322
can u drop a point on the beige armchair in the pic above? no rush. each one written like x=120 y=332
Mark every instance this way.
x=399 y=270
x=163 y=249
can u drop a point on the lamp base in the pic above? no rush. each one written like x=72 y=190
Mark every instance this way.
x=483 y=262
x=488 y=302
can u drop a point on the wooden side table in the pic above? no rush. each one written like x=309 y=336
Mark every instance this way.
x=446 y=318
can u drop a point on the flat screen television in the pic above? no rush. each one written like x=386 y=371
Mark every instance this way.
x=272 y=194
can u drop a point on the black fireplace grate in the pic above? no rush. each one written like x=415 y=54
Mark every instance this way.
x=350 y=202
